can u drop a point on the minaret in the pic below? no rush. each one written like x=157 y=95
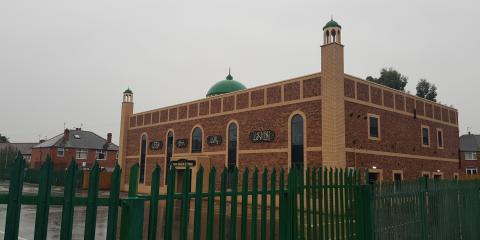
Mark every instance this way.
x=333 y=103
x=127 y=111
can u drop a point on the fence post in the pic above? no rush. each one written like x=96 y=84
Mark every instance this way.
x=44 y=191
x=366 y=212
x=15 y=194
x=131 y=226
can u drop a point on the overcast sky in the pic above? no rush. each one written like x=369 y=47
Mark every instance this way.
x=69 y=61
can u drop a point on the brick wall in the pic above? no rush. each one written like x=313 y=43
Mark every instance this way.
x=401 y=117
x=464 y=164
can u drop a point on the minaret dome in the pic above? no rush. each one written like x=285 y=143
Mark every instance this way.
x=332 y=32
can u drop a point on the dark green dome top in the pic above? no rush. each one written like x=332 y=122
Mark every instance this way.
x=128 y=91
x=225 y=86
x=332 y=23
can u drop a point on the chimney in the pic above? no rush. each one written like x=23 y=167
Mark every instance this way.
x=66 y=134
x=109 y=138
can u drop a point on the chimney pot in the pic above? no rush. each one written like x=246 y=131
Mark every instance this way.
x=66 y=134
x=109 y=138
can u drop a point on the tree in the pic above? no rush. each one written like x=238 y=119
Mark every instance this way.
x=426 y=90
x=390 y=78
x=3 y=139
x=7 y=157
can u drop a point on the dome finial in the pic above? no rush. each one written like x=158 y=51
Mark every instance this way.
x=229 y=76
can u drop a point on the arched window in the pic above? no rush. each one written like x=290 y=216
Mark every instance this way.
x=143 y=150
x=232 y=146
x=197 y=136
x=169 y=150
x=297 y=140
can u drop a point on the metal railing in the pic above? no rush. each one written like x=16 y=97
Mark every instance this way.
x=311 y=203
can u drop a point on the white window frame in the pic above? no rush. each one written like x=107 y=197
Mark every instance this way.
x=471 y=170
x=63 y=152
x=429 y=140
x=378 y=126
x=439 y=130
x=472 y=158
x=97 y=152
x=80 y=151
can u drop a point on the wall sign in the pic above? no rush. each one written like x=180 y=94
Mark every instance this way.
x=181 y=143
x=262 y=136
x=214 y=140
x=156 y=145
x=183 y=163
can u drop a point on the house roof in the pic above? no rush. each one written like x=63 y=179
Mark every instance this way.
x=78 y=138
x=24 y=148
x=470 y=143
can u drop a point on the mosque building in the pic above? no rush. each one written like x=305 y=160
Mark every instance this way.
x=328 y=119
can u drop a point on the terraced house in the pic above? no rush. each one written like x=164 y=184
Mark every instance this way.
x=329 y=118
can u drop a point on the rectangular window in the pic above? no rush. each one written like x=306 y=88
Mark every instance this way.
x=425 y=136
x=60 y=152
x=397 y=177
x=470 y=156
x=470 y=171
x=81 y=154
x=101 y=154
x=373 y=127
x=439 y=138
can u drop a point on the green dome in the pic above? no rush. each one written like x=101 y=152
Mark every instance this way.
x=128 y=91
x=225 y=86
x=332 y=23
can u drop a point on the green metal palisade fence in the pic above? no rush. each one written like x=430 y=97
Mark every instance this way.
x=311 y=203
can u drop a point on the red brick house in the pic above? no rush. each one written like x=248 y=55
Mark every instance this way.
x=328 y=118
x=85 y=146
x=470 y=154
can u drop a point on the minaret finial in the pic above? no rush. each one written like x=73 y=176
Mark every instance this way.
x=331 y=17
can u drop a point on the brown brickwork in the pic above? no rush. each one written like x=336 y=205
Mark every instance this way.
x=291 y=91
x=182 y=112
x=257 y=98
x=204 y=108
x=192 y=110
x=228 y=103
x=148 y=118
x=410 y=103
x=242 y=100
x=420 y=107
x=376 y=95
x=216 y=105
x=399 y=102
x=155 y=117
x=362 y=92
x=274 y=95
x=312 y=87
x=349 y=87
x=388 y=99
